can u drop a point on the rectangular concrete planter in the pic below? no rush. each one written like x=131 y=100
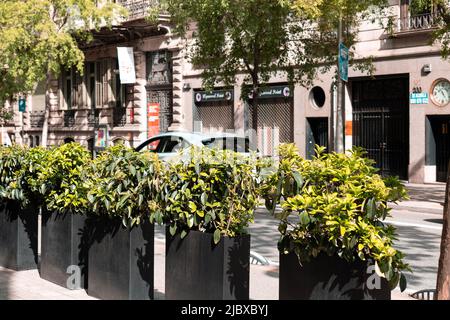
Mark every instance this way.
x=18 y=237
x=196 y=269
x=328 y=278
x=64 y=249
x=121 y=261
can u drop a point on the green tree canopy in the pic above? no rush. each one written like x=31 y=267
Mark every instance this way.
x=259 y=38
x=39 y=37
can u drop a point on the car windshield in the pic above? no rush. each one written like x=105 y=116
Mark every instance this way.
x=228 y=143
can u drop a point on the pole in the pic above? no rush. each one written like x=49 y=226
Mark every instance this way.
x=340 y=103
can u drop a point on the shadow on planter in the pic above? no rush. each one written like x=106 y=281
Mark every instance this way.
x=65 y=243
x=329 y=278
x=18 y=236
x=196 y=269
x=121 y=262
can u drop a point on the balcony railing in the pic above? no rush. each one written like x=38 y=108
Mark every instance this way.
x=69 y=118
x=418 y=22
x=37 y=119
x=93 y=117
x=138 y=9
x=119 y=117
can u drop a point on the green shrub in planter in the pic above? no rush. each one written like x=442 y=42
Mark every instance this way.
x=126 y=184
x=209 y=201
x=18 y=217
x=124 y=195
x=335 y=205
x=213 y=191
x=58 y=175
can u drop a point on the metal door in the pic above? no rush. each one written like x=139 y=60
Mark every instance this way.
x=381 y=122
x=316 y=134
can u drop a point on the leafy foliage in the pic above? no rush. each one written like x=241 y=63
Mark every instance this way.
x=126 y=184
x=11 y=163
x=262 y=38
x=212 y=191
x=41 y=36
x=335 y=204
x=58 y=174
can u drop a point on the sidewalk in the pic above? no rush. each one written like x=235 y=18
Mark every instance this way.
x=426 y=198
x=27 y=285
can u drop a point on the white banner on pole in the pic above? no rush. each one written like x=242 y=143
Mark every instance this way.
x=126 y=65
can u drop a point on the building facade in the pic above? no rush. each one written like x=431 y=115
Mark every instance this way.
x=401 y=116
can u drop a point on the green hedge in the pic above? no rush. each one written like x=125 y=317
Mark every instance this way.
x=333 y=204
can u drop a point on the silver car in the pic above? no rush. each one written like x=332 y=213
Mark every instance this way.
x=168 y=145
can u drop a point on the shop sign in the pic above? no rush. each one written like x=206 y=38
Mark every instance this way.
x=419 y=98
x=274 y=92
x=217 y=95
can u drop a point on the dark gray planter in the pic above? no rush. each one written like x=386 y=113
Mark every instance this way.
x=196 y=269
x=18 y=237
x=121 y=261
x=327 y=278
x=64 y=249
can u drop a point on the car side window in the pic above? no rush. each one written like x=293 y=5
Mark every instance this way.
x=174 y=144
x=151 y=145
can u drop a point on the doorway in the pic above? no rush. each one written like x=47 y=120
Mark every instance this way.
x=381 y=122
x=316 y=134
x=438 y=145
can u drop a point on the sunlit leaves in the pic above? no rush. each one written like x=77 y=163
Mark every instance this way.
x=338 y=208
x=212 y=191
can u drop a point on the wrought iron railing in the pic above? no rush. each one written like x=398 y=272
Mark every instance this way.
x=69 y=118
x=93 y=117
x=37 y=119
x=418 y=22
x=138 y=9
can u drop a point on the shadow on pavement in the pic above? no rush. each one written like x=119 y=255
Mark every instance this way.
x=265 y=235
x=5 y=283
x=419 y=255
x=427 y=193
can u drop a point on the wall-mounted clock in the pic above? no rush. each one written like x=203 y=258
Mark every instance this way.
x=440 y=92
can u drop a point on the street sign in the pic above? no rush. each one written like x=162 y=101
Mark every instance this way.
x=419 y=98
x=22 y=105
x=343 y=62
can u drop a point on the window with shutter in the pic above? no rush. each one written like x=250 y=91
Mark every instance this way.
x=105 y=83
x=74 y=93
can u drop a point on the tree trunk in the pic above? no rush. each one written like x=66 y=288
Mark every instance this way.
x=255 y=101
x=48 y=88
x=443 y=279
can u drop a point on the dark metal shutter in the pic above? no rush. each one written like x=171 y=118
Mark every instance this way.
x=214 y=117
x=274 y=123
